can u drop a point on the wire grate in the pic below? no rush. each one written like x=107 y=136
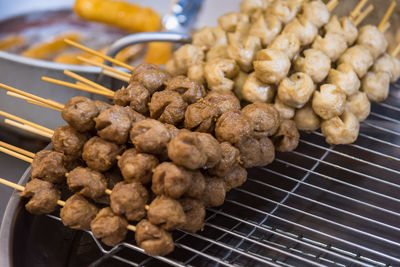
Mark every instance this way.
x=320 y=205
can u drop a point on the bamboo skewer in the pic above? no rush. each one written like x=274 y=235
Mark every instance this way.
x=17 y=149
x=28 y=128
x=15 y=154
x=332 y=5
x=357 y=9
x=116 y=76
x=34 y=97
x=105 y=67
x=363 y=15
x=87 y=81
x=387 y=15
x=91 y=51
x=396 y=51
x=386 y=27
x=31 y=101
x=34 y=125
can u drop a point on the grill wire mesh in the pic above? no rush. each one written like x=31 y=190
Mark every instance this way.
x=320 y=205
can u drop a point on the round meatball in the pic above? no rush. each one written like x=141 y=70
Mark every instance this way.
x=79 y=113
x=109 y=227
x=306 y=119
x=341 y=130
x=69 y=141
x=256 y=152
x=244 y=51
x=190 y=90
x=223 y=101
x=137 y=166
x=263 y=118
x=359 y=105
x=285 y=11
x=43 y=196
x=201 y=117
x=333 y=45
x=135 y=95
x=207 y=37
x=373 y=39
x=303 y=29
x=287 y=43
x=376 y=85
x=129 y=199
x=316 y=12
x=184 y=57
x=166 y=212
x=214 y=193
x=78 y=213
x=219 y=74
x=287 y=137
x=141 y=68
x=195 y=213
x=345 y=78
x=114 y=124
x=167 y=106
x=285 y=112
x=150 y=136
x=211 y=149
x=314 y=63
x=271 y=65
x=49 y=166
x=101 y=105
x=296 y=90
x=153 y=79
x=99 y=154
x=197 y=185
x=359 y=58
x=230 y=156
x=235 y=177
x=329 y=101
x=267 y=28
x=153 y=239
x=232 y=127
x=186 y=149
x=343 y=27
x=87 y=182
x=254 y=90
x=389 y=64
x=170 y=180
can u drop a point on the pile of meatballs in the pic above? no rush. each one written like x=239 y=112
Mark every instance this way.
x=316 y=69
x=164 y=151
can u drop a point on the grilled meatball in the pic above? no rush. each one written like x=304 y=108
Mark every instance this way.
x=78 y=213
x=167 y=106
x=152 y=78
x=184 y=57
x=251 y=6
x=344 y=27
x=224 y=101
x=166 y=212
x=234 y=22
x=235 y=177
x=329 y=101
x=109 y=227
x=244 y=52
x=303 y=29
x=285 y=112
x=389 y=64
x=153 y=239
x=190 y=90
x=359 y=58
x=186 y=149
x=219 y=74
x=373 y=39
x=264 y=118
x=196 y=72
x=114 y=124
x=69 y=141
x=284 y=10
x=201 y=117
x=359 y=105
x=376 y=85
x=99 y=154
x=287 y=137
x=266 y=28
x=101 y=105
x=43 y=196
x=314 y=63
x=197 y=185
x=232 y=127
x=134 y=95
x=79 y=113
x=216 y=52
x=207 y=37
x=214 y=193
x=345 y=78
x=256 y=151
x=141 y=68
x=137 y=166
x=230 y=156
x=333 y=45
x=316 y=12
x=170 y=180
x=341 y=130
x=271 y=65
x=150 y=136
x=87 y=182
x=49 y=166
x=254 y=90
x=306 y=119
x=195 y=213
x=129 y=199
x=211 y=149
x=287 y=43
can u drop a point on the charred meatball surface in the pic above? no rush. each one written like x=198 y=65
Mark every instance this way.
x=109 y=227
x=224 y=101
x=201 y=117
x=43 y=196
x=134 y=95
x=232 y=127
x=49 y=165
x=189 y=89
x=264 y=118
x=99 y=154
x=168 y=107
x=79 y=113
x=153 y=239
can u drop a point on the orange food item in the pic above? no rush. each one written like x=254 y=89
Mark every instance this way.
x=10 y=41
x=126 y=16
x=158 y=53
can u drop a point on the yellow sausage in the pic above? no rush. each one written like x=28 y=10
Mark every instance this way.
x=10 y=41
x=48 y=49
x=120 y=14
x=158 y=53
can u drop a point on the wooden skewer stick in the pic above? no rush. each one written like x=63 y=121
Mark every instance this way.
x=76 y=86
x=386 y=27
x=396 y=51
x=357 y=9
x=28 y=128
x=31 y=101
x=363 y=15
x=87 y=81
x=34 y=97
x=101 y=65
x=387 y=15
x=332 y=5
x=15 y=154
x=34 y=125
x=116 y=76
x=94 y=52
x=17 y=149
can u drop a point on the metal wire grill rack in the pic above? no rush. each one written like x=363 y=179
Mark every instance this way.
x=320 y=205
